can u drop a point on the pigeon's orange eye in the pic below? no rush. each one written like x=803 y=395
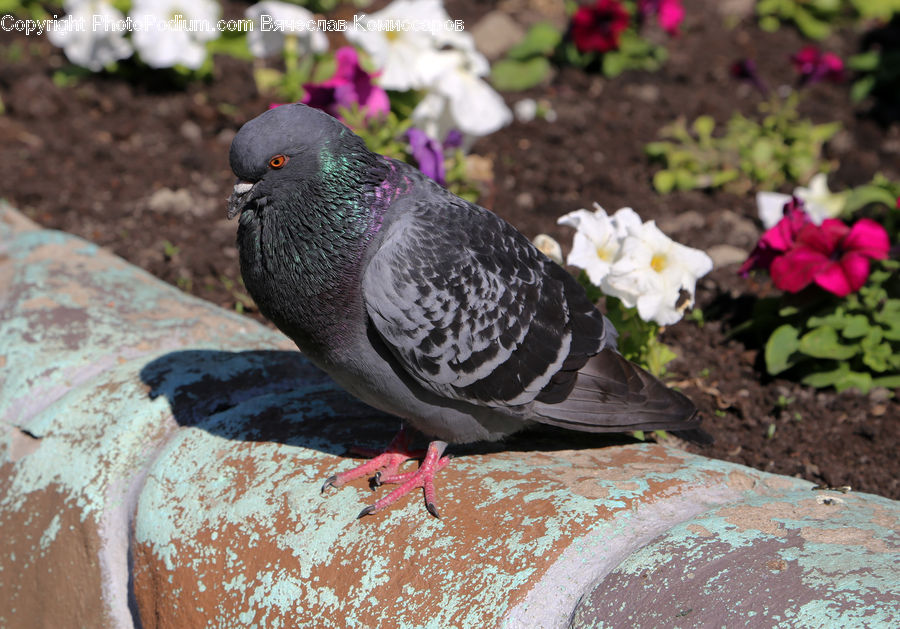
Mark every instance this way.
x=277 y=161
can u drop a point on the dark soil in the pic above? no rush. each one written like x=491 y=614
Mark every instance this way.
x=141 y=168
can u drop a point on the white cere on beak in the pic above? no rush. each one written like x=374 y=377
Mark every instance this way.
x=242 y=187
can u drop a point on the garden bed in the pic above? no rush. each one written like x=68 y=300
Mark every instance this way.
x=140 y=167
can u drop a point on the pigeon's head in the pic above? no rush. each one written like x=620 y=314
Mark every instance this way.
x=279 y=151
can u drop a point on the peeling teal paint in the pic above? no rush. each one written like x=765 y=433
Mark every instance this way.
x=50 y=533
x=152 y=412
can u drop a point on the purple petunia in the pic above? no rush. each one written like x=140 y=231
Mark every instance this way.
x=428 y=153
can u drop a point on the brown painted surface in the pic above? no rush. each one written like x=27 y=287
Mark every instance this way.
x=50 y=575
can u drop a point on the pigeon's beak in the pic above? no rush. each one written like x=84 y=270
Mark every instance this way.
x=238 y=198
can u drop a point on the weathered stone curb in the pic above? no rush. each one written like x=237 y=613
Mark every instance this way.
x=160 y=465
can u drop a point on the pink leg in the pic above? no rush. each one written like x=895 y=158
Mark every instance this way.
x=422 y=477
x=390 y=460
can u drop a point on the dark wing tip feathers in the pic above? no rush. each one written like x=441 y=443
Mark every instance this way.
x=610 y=394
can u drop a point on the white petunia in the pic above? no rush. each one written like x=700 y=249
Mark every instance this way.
x=818 y=202
x=280 y=20
x=411 y=45
x=549 y=247
x=174 y=32
x=92 y=48
x=652 y=270
x=770 y=207
x=598 y=239
x=458 y=98
x=402 y=55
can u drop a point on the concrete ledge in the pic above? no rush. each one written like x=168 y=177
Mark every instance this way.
x=160 y=465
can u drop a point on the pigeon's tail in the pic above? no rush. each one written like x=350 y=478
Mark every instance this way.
x=695 y=435
x=611 y=394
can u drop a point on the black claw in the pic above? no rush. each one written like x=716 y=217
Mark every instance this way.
x=432 y=510
x=329 y=482
x=375 y=481
x=366 y=511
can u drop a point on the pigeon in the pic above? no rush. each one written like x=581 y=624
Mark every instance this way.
x=422 y=304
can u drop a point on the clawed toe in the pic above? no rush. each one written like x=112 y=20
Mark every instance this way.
x=329 y=482
x=390 y=461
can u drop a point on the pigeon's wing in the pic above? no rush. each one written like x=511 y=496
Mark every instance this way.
x=611 y=394
x=474 y=312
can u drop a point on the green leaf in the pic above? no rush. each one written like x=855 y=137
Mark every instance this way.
x=854 y=326
x=658 y=355
x=824 y=132
x=811 y=26
x=703 y=126
x=267 y=79
x=324 y=69
x=685 y=179
x=864 y=62
x=657 y=149
x=231 y=43
x=890 y=382
x=780 y=347
x=862 y=88
x=823 y=343
x=862 y=196
x=723 y=176
x=614 y=63
x=664 y=181
x=541 y=39
x=889 y=316
x=763 y=150
x=769 y=24
x=841 y=379
x=511 y=76
x=876 y=354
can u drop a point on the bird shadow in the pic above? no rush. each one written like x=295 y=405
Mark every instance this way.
x=279 y=396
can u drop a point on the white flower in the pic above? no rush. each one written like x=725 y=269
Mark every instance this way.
x=280 y=19
x=90 y=48
x=651 y=272
x=770 y=206
x=457 y=97
x=549 y=247
x=598 y=239
x=173 y=32
x=636 y=262
x=818 y=202
x=413 y=49
x=403 y=56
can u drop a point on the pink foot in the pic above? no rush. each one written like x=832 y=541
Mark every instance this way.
x=390 y=460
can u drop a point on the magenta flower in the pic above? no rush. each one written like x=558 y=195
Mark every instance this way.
x=779 y=239
x=350 y=85
x=597 y=28
x=428 y=153
x=670 y=13
x=833 y=255
x=814 y=65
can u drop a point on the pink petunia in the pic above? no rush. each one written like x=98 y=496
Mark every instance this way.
x=814 y=65
x=779 y=239
x=670 y=13
x=350 y=85
x=833 y=255
x=597 y=28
